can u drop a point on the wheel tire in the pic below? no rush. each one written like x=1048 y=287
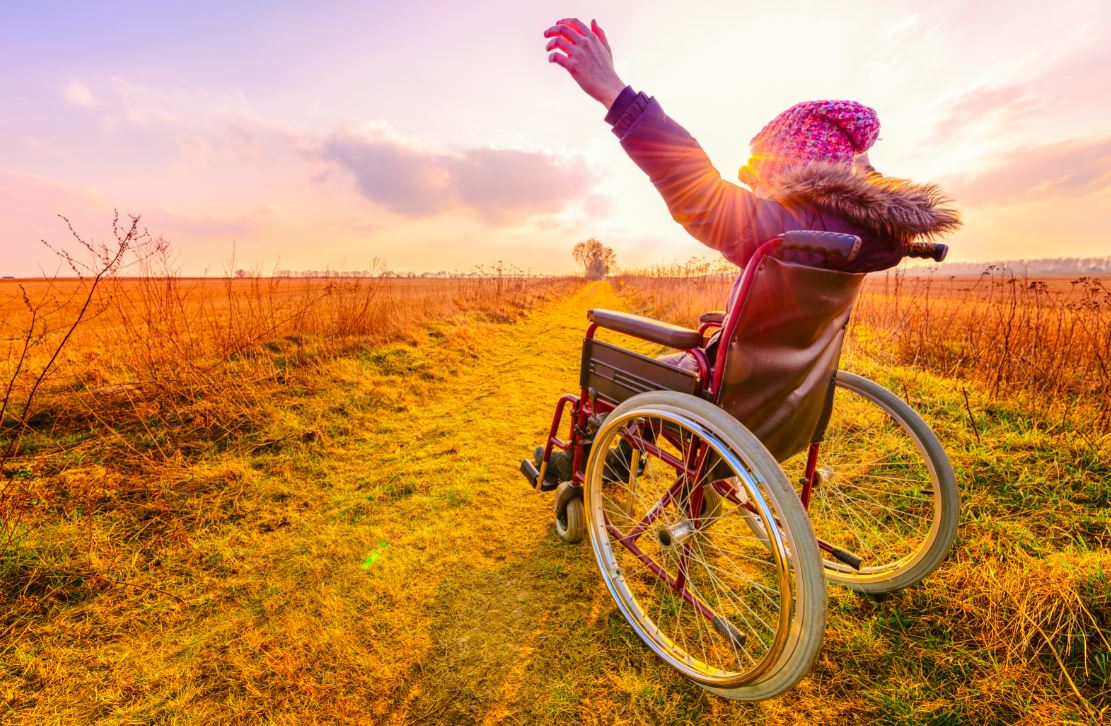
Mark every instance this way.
x=787 y=640
x=570 y=518
x=892 y=497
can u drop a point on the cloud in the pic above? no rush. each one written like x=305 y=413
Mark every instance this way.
x=500 y=183
x=982 y=109
x=415 y=180
x=143 y=105
x=29 y=209
x=1068 y=169
x=78 y=94
x=256 y=138
x=405 y=180
x=40 y=146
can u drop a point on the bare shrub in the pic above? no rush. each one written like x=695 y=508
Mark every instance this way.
x=679 y=293
x=150 y=363
x=34 y=352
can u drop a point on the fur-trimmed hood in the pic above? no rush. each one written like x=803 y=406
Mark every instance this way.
x=895 y=208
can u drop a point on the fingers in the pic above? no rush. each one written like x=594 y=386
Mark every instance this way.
x=562 y=31
x=560 y=42
x=574 y=34
x=560 y=59
x=568 y=33
x=574 y=23
x=601 y=34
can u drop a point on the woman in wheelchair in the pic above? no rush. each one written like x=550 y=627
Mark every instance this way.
x=722 y=484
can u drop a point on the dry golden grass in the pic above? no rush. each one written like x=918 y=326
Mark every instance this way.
x=1045 y=340
x=186 y=358
x=331 y=528
x=1048 y=339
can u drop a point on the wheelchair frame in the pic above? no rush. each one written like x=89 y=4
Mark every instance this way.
x=610 y=375
x=588 y=406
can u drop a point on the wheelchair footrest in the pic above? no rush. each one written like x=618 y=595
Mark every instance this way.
x=528 y=468
x=530 y=472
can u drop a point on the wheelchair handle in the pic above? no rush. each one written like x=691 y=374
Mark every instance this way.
x=929 y=250
x=714 y=317
x=835 y=246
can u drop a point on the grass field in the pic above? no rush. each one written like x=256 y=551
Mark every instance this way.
x=359 y=547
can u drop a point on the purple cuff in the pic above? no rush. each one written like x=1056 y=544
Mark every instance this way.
x=620 y=105
x=630 y=115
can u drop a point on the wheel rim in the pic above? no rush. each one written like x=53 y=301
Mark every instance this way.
x=705 y=593
x=877 y=494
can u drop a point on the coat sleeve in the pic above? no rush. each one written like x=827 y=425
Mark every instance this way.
x=723 y=216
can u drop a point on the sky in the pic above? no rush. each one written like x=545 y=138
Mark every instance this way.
x=434 y=136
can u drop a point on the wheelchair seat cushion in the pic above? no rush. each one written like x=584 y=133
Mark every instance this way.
x=784 y=352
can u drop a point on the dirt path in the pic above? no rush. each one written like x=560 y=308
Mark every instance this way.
x=491 y=594
x=473 y=611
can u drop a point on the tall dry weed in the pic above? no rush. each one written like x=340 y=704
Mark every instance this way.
x=1045 y=340
x=681 y=292
x=34 y=350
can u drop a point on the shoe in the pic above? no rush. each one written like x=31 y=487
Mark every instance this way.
x=560 y=463
x=559 y=467
x=617 y=463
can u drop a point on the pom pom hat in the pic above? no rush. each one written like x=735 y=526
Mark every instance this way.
x=829 y=131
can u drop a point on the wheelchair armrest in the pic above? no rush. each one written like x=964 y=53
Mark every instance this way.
x=714 y=317
x=836 y=247
x=637 y=326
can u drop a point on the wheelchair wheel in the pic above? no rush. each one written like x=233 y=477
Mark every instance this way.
x=885 y=491
x=741 y=617
x=570 y=520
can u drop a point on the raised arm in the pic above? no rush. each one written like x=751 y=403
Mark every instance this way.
x=719 y=214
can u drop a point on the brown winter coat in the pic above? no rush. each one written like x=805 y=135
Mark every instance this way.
x=786 y=349
x=886 y=213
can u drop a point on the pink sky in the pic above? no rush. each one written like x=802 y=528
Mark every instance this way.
x=435 y=135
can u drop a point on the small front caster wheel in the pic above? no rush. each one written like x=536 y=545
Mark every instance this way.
x=570 y=517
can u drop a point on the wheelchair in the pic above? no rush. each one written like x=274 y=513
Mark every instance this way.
x=719 y=497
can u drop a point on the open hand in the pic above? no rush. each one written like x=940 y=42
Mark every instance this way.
x=585 y=53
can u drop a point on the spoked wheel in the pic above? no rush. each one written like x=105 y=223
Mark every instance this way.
x=885 y=490
x=741 y=616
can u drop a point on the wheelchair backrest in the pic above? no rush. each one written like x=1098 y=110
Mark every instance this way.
x=783 y=352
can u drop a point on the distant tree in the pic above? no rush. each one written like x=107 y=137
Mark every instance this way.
x=1043 y=266
x=240 y=273
x=597 y=259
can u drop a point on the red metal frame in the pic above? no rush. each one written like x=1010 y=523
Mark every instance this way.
x=808 y=481
x=733 y=317
x=583 y=408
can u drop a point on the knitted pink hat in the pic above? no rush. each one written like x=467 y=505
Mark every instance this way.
x=831 y=131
